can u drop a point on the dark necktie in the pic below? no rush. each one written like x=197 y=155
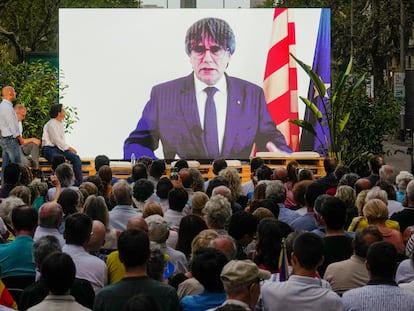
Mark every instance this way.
x=210 y=124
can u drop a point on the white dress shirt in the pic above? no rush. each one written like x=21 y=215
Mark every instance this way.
x=54 y=135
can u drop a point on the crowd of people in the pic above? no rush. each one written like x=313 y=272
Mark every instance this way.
x=282 y=241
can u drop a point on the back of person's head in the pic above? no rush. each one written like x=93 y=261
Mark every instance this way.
x=190 y=226
x=43 y=247
x=410 y=191
x=312 y=192
x=143 y=189
x=147 y=161
x=215 y=182
x=215 y=28
x=218 y=165
x=152 y=208
x=206 y=267
x=156 y=263
x=270 y=233
x=139 y=171
x=95 y=207
x=22 y=192
x=217 y=211
x=197 y=178
x=276 y=191
x=267 y=204
x=364 y=238
x=255 y=163
x=198 y=201
x=377 y=193
x=78 y=228
x=330 y=163
x=101 y=160
x=226 y=244
x=279 y=173
x=164 y=185
x=122 y=193
x=308 y=250
x=177 y=199
x=341 y=170
x=134 y=248
x=54 y=110
x=375 y=210
x=348 y=179
x=58 y=272
x=402 y=180
x=105 y=173
x=347 y=194
x=157 y=168
x=224 y=191
x=242 y=224
x=233 y=178
x=382 y=259
x=158 y=230
x=264 y=173
x=202 y=240
x=69 y=199
x=388 y=188
x=186 y=177
x=180 y=164
x=97 y=237
x=11 y=174
x=299 y=191
x=292 y=168
x=65 y=175
x=24 y=218
x=387 y=173
x=89 y=187
x=333 y=211
x=375 y=164
x=50 y=215
x=6 y=207
x=305 y=174
x=141 y=302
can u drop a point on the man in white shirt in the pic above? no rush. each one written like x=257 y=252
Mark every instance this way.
x=53 y=140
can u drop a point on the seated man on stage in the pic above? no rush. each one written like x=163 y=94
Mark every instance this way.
x=54 y=144
x=30 y=146
x=207 y=114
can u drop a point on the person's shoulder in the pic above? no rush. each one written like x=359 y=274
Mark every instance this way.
x=243 y=83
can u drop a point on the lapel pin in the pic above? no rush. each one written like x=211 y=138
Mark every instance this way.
x=238 y=102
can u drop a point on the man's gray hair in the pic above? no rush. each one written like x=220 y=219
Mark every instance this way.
x=217 y=211
x=44 y=246
x=387 y=172
x=410 y=191
x=122 y=193
x=377 y=193
x=275 y=190
x=402 y=180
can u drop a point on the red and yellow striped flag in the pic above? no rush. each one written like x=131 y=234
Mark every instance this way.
x=280 y=81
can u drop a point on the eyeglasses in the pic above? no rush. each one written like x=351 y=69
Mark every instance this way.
x=215 y=50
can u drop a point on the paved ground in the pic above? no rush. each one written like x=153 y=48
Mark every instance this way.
x=398 y=153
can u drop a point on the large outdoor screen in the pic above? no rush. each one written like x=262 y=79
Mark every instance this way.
x=112 y=58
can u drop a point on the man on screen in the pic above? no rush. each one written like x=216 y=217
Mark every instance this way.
x=206 y=114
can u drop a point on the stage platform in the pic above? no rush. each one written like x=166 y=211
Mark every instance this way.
x=122 y=169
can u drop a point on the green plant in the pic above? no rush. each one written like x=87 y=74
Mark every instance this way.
x=37 y=85
x=335 y=112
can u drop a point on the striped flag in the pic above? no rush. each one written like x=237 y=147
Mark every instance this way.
x=280 y=80
x=283 y=263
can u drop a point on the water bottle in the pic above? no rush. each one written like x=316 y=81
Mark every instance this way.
x=133 y=159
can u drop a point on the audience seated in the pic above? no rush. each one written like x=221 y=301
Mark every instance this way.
x=177 y=200
x=242 y=227
x=50 y=218
x=217 y=212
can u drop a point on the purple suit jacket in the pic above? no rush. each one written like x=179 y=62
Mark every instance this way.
x=171 y=115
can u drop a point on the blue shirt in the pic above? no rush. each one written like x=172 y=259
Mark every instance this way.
x=203 y=301
x=16 y=257
x=287 y=215
x=306 y=222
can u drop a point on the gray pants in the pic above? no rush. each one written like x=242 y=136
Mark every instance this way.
x=30 y=150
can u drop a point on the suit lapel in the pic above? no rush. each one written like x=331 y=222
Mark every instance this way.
x=235 y=100
x=188 y=105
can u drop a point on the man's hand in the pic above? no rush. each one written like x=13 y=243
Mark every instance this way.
x=35 y=141
x=73 y=150
x=20 y=140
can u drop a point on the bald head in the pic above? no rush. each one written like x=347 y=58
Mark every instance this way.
x=362 y=184
x=226 y=245
x=137 y=223
x=97 y=239
x=50 y=215
x=280 y=173
x=186 y=177
x=8 y=93
x=224 y=191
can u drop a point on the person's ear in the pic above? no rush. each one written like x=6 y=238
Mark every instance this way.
x=321 y=261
